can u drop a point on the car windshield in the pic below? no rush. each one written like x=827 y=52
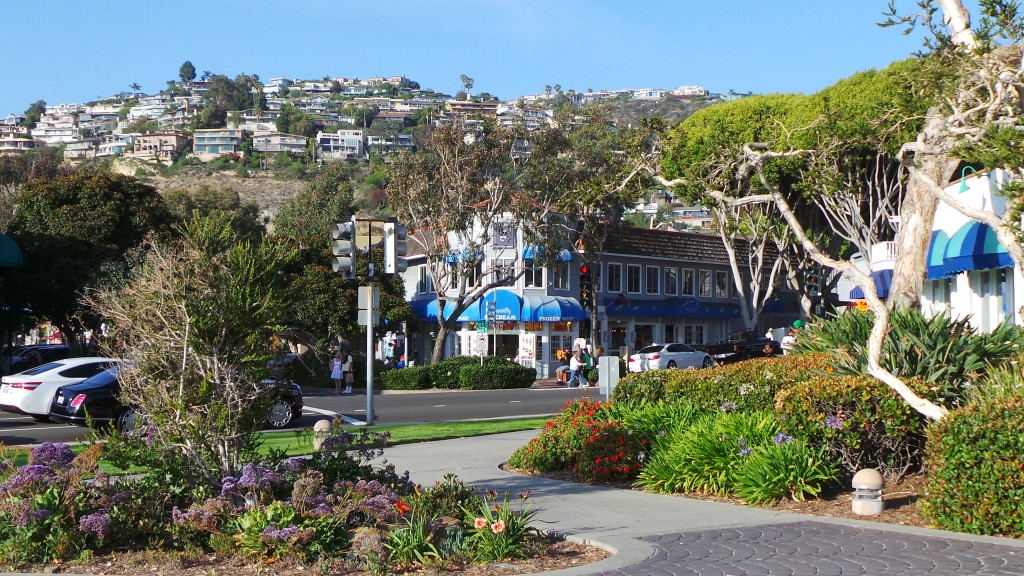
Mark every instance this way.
x=108 y=376
x=651 y=349
x=42 y=368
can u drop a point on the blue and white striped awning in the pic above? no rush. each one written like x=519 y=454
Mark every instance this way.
x=882 y=278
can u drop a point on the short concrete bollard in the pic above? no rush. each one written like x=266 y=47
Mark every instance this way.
x=321 y=430
x=867 y=492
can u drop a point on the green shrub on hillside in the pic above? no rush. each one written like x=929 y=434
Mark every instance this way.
x=975 y=476
x=496 y=376
x=861 y=422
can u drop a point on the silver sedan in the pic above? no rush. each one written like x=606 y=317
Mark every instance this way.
x=660 y=356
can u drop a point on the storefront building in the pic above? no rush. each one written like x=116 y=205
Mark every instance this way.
x=651 y=286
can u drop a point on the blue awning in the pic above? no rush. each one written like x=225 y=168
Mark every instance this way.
x=507 y=305
x=622 y=305
x=882 y=278
x=531 y=252
x=543 y=308
x=936 y=254
x=693 y=308
x=975 y=247
x=427 y=310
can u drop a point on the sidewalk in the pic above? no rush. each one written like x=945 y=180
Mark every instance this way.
x=661 y=534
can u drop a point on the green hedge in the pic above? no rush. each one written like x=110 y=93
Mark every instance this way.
x=493 y=376
x=749 y=385
x=446 y=373
x=975 y=476
x=412 y=378
x=861 y=422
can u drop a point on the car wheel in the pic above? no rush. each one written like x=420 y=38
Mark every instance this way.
x=280 y=414
x=126 y=421
x=708 y=362
x=41 y=419
x=671 y=364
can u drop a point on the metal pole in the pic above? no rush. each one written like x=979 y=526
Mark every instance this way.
x=369 y=358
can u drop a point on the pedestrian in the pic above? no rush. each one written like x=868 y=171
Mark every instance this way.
x=789 y=340
x=597 y=356
x=401 y=362
x=770 y=334
x=336 y=373
x=576 y=367
x=346 y=370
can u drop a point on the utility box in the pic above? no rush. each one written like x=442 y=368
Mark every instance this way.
x=607 y=375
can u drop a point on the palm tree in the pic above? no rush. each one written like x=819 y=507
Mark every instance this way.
x=547 y=89
x=135 y=87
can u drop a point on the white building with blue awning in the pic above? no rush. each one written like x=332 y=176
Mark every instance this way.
x=970 y=273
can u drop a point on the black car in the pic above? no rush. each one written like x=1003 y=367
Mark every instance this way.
x=32 y=356
x=98 y=397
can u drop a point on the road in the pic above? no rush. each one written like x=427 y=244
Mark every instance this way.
x=389 y=408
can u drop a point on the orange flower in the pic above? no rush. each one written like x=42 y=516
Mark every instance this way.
x=402 y=507
x=479 y=523
x=498 y=527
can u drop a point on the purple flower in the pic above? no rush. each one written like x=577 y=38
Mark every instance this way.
x=30 y=475
x=295 y=464
x=26 y=516
x=783 y=438
x=96 y=524
x=727 y=406
x=272 y=533
x=55 y=456
x=834 y=422
x=745 y=452
x=742 y=442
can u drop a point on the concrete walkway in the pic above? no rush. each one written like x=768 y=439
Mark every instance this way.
x=653 y=534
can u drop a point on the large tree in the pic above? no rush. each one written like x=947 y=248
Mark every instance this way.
x=187 y=72
x=467 y=184
x=79 y=231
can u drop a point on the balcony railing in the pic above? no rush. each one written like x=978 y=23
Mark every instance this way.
x=883 y=252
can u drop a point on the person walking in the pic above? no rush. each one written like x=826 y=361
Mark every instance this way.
x=346 y=371
x=576 y=367
x=336 y=374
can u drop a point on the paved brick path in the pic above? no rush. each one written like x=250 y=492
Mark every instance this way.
x=821 y=549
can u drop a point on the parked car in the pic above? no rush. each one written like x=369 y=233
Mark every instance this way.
x=97 y=400
x=31 y=391
x=32 y=356
x=743 y=345
x=660 y=356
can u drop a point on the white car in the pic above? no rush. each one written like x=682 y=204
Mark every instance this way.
x=31 y=392
x=660 y=356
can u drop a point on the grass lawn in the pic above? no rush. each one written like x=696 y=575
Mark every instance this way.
x=299 y=442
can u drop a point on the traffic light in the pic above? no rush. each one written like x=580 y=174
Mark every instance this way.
x=395 y=248
x=811 y=280
x=344 y=248
x=586 y=287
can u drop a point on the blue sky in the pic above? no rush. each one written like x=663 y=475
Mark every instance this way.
x=75 y=51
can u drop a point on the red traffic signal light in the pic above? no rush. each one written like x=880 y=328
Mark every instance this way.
x=584 y=269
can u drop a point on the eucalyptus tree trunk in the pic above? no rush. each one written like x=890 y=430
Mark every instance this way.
x=916 y=219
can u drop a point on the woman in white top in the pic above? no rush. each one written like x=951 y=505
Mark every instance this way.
x=346 y=371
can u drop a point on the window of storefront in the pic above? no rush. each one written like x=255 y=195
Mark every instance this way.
x=653 y=277
x=644 y=335
x=704 y=283
x=615 y=277
x=633 y=278
x=721 y=284
x=693 y=334
x=504 y=270
x=533 y=274
x=560 y=275
x=687 y=282
x=671 y=285
x=618 y=333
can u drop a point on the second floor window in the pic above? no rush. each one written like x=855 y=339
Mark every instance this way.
x=533 y=275
x=687 y=285
x=560 y=275
x=425 y=284
x=504 y=270
x=722 y=284
x=633 y=278
x=671 y=285
x=653 y=277
x=615 y=277
x=704 y=284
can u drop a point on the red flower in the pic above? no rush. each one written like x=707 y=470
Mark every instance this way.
x=402 y=507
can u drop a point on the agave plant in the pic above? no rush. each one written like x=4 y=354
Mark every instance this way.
x=944 y=352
